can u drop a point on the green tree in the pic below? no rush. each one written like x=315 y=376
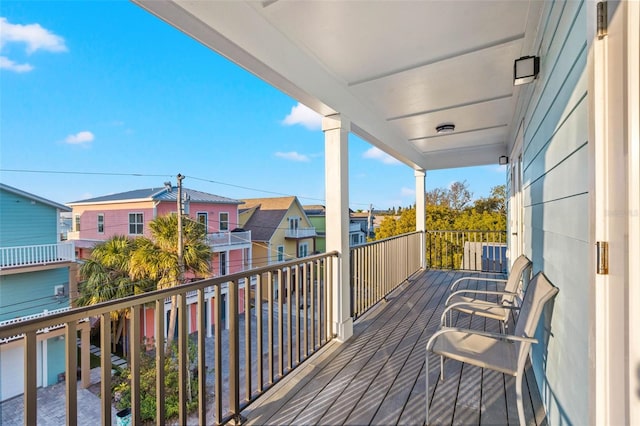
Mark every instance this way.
x=157 y=258
x=105 y=276
x=122 y=386
x=387 y=228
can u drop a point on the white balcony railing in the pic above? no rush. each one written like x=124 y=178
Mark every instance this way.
x=300 y=233
x=229 y=238
x=43 y=254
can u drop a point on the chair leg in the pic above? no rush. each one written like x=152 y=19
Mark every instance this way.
x=519 y=402
x=442 y=368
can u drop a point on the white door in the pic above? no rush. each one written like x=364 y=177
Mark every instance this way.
x=516 y=228
x=615 y=201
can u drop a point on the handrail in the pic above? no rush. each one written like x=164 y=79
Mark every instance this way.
x=282 y=317
x=467 y=249
x=379 y=267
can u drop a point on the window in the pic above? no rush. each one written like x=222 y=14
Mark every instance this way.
x=280 y=250
x=100 y=224
x=303 y=250
x=223 y=262
x=76 y=224
x=294 y=223
x=224 y=221
x=135 y=223
x=203 y=218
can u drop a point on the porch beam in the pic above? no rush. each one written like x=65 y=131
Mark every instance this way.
x=336 y=130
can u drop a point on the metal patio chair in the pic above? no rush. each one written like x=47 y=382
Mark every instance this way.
x=500 y=352
x=467 y=300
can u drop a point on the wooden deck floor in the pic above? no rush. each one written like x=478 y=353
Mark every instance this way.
x=378 y=376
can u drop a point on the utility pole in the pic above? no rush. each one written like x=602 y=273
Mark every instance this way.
x=179 y=202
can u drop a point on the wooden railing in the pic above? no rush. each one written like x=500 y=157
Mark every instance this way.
x=379 y=267
x=41 y=254
x=283 y=318
x=469 y=250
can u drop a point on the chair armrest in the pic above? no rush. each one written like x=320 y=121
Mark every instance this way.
x=455 y=283
x=497 y=336
x=475 y=302
x=495 y=292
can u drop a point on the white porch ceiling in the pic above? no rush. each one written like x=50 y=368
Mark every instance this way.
x=396 y=69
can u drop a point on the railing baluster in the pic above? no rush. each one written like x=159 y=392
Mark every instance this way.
x=296 y=283
x=105 y=367
x=218 y=352
x=134 y=348
x=305 y=316
x=281 y=290
x=71 y=342
x=312 y=305
x=247 y=340
x=270 y=324
x=30 y=379
x=183 y=356
x=202 y=367
x=289 y=321
x=160 y=349
x=258 y=304
x=234 y=351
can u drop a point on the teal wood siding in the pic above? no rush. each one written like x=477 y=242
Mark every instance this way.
x=556 y=203
x=24 y=222
x=32 y=292
x=55 y=360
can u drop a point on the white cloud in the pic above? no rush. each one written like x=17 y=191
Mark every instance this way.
x=374 y=153
x=293 y=156
x=33 y=35
x=8 y=64
x=407 y=192
x=80 y=138
x=300 y=114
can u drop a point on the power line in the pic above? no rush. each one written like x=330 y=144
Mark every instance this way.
x=168 y=175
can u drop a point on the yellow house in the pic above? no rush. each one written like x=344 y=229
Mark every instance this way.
x=280 y=229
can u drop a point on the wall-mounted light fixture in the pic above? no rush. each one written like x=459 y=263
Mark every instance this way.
x=503 y=159
x=525 y=69
x=445 y=128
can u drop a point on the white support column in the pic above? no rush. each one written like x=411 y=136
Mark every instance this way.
x=421 y=213
x=336 y=136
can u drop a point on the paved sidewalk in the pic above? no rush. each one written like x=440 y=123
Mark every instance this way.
x=52 y=407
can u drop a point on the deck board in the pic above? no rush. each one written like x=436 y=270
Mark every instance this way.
x=378 y=376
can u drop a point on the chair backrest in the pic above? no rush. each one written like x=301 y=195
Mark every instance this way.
x=538 y=293
x=520 y=266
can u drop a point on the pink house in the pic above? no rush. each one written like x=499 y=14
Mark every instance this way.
x=129 y=213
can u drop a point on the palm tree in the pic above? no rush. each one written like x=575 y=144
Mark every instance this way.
x=157 y=259
x=106 y=277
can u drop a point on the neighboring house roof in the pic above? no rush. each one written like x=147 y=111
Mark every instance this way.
x=267 y=215
x=36 y=198
x=158 y=194
x=314 y=210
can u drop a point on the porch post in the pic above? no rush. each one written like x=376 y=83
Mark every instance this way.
x=336 y=137
x=421 y=214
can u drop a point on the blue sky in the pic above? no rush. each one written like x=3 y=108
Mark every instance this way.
x=98 y=97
